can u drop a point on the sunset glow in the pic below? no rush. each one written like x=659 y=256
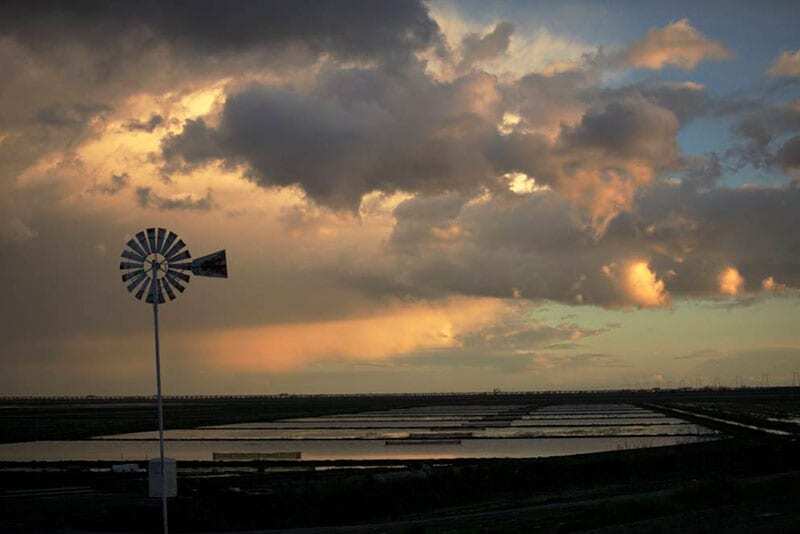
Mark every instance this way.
x=419 y=194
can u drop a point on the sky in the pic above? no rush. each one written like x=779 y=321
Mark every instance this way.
x=413 y=196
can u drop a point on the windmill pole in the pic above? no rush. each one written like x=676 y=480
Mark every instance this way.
x=150 y=252
x=160 y=403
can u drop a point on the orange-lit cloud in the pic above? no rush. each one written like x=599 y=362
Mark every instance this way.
x=639 y=284
x=678 y=44
x=604 y=193
x=399 y=330
x=730 y=281
x=769 y=284
x=642 y=286
x=787 y=64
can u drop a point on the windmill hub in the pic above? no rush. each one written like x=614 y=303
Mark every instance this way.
x=157 y=263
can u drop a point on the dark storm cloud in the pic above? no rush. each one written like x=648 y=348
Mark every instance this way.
x=389 y=129
x=116 y=183
x=196 y=144
x=66 y=63
x=76 y=115
x=702 y=172
x=360 y=130
x=476 y=48
x=536 y=247
x=541 y=100
x=148 y=126
x=759 y=130
x=146 y=198
x=350 y=29
x=685 y=99
x=632 y=127
x=750 y=228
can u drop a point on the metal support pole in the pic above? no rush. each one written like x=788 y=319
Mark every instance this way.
x=160 y=403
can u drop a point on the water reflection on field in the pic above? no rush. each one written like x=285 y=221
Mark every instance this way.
x=414 y=433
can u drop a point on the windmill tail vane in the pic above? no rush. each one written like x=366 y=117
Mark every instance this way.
x=156 y=262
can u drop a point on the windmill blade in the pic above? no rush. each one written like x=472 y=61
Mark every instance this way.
x=141 y=268
x=178 y=257
x=130 y=274
x=143 y=242
x=165 y=286
x=168 y=243
x=136 y=248
x=214 y=265
x=160 y=239
x=132 y=256
x=128 y=265
x=172 y=278
x=178 y=274
x=142 y=289
x=151 y=239
x=175 y=248
x=155 y=292
x=137 y=280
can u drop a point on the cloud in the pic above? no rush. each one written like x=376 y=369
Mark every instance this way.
x=15 y=231
x=146 y=198
x=702 y=354
x=391 y=332
x=395 y=194
x=117 y=183
x=788 y=157
x=769 y=284
x=359 y=131
x=148 y=126
x=787 y=64
x=513 y=342
x=96 y=55
x=686 y=100
x=349 y=29
x=613 y=152
x=759 y=128
x=678 y=45
x=642 y=287
x=673 y=244
x=352 y=135
x=63 y=116
x=476 y=48
x=730 y=282
x=591 y=360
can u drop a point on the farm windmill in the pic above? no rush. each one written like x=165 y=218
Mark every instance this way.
x=156 y=263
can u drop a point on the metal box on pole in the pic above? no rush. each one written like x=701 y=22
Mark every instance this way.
x=170 y=483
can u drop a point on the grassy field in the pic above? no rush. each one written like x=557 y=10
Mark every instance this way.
x=746 y=482
x=555 y=494
x=79 y=418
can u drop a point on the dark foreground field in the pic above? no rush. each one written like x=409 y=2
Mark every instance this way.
x=746 y=483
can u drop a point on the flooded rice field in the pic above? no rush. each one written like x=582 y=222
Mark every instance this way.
x=445 y=432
